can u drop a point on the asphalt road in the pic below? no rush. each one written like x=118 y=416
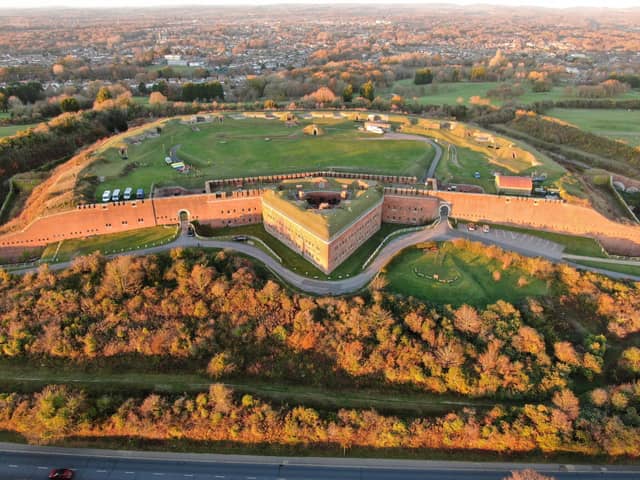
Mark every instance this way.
x=19 y=462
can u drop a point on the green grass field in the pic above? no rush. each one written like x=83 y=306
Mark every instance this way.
x=106 y=244
x=294 y=261
x=461 y=93
x=9 y=130
x=614 y=267
x=623 y=125
x=460 y=168
x=470 y=276
x=254 y=147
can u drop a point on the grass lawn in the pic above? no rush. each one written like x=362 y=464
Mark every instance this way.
x=23 y=184
x=465 y=277
x=461 y=93
x=623 y=125
x=459 y=164
x=614 y=267
x=141 y=100
x=9 y=130
x=294 y=261
x=253 y=147
x=116 y=242
x=573 y=244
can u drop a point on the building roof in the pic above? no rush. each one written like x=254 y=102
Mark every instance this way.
x=328 y=223
x=514 y=182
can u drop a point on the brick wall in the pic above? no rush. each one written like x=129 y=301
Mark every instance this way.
x=409 y=209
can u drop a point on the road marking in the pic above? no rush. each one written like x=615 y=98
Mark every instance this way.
x=188 y=475
x=101 y=471
x=219 y=476
x=42 y=468
x=13 y=466
x=251 y=478
x=129 y=473
x=158 y=473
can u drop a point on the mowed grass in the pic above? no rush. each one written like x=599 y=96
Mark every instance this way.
x=254 y=147
x=112 y=243
x=461 y=168
x=295 y=262
x=9 y=130
x=462 y=92
x=623 y=125
x=614 y=267
x=469 y=276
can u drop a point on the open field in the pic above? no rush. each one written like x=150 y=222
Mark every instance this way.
x=461 y=93
x=294 y=261
x=253 y=147
x=623 y=125
x=115 y=242
x=463 y=277
x=8 y=130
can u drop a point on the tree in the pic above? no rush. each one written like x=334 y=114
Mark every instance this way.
x=527 y=475
x=423 y=76
x=347 y=93
x=479 y=72
x=631 y=359
x=103 y=95
x=69 y=104
x=367 y=90
x=157 y=98
x=4 y=102
x=142 y=88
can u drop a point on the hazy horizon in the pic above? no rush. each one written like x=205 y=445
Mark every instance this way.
x=29 y=4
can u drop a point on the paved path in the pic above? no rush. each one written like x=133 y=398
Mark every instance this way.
x=528 y=245
x=33 y=462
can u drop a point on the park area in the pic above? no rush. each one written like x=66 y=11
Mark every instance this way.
x=622 y=125
x=460 y=272
x=243 y=147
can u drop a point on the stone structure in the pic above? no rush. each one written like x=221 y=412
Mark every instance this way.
x=514 y=185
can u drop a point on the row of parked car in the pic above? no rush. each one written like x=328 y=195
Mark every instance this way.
x=114 y=196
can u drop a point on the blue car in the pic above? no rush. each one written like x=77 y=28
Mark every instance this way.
x=139 y=193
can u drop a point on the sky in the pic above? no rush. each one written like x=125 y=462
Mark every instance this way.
x=5 y=4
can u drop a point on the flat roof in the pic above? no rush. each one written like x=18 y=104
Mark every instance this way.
x=512 y=181
x=324 y=223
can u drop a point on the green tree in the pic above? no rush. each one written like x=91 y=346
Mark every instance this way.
x=423 y=76
x=367 y=91
x=142 y=88
x=69 y=104
x=347 y=93
x=103 y=95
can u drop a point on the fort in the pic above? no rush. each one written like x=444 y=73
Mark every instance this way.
x=323 y=214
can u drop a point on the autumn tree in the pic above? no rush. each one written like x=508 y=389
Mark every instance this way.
x=367 y=90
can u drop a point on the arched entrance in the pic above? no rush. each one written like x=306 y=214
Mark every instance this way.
x=445 y=211
x=183 y=216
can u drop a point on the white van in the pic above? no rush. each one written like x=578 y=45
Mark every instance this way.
x=116 y=195
x=106 y=196
x=127 y=193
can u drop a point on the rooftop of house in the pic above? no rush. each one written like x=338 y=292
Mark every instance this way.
x=515 y=182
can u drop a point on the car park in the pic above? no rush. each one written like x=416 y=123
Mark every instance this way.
x=140 y=194
x=127 y=193
x=106 y=195
x=115 y=196
x=61 y=474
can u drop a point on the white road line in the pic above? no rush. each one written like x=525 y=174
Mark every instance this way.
x=188 y=475
x=13 y=466
x=157 y=473
x=251 y=478
x=42 y=468
x=101 y=471
x=219 y=476
x=129 y=473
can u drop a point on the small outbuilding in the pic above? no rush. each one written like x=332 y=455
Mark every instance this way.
x=514 y=185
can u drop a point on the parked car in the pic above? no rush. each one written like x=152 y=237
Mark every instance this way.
x=476 y=175
x=61 y=474
x=471 y=227
x=486 y=229
x=240 y=238
x=140 y=193
x=106 y=195
x=115 y=196
x=127 y=193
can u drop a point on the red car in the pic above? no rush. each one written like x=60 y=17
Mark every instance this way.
x=61 y=474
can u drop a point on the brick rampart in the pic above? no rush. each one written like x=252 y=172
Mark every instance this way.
x=409 y=209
